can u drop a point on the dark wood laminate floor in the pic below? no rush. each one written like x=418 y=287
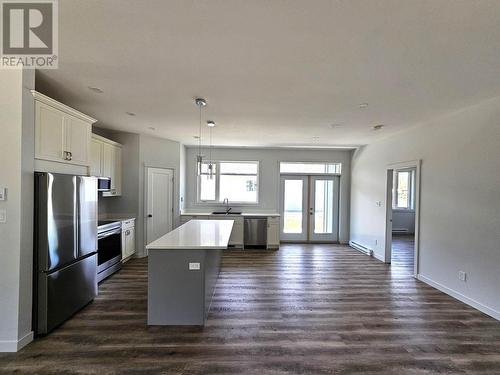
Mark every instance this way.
x=403 y=250
x=306 y=309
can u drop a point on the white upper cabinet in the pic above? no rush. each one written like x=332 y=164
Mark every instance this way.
x=96 y=156
x=62 y=134
x=106 y=161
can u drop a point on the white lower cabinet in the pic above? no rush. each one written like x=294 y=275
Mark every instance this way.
x=273 y=232
x=128 y=239
x=236 y=239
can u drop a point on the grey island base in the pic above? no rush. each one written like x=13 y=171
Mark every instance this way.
x=183 y=267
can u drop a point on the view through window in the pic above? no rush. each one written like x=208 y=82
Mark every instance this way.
x=233 y=180
x=403 y=189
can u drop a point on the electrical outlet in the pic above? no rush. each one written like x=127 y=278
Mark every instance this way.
x=3 y=194
x=462 y=276
x=194 y=266
x=3 y=216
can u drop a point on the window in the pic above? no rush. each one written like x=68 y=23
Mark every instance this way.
x=403 y=189
x=310 y=168
x=234 y=180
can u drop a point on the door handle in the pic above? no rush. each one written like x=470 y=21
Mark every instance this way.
x=150 y=215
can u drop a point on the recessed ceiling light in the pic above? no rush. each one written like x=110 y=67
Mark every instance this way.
x=363 y=105
x=378 y=127
x=210 y=124
x=97 y=90
x=131 y=114
x=151 y=128
x=316 y=138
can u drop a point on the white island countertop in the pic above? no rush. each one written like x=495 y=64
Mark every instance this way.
x=195 y=235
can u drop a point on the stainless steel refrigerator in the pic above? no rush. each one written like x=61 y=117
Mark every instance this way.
x=65 y=244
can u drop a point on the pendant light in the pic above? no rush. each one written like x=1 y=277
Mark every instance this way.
x=200 y=102
x=211 y=125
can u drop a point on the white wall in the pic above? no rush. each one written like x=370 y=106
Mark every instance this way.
x=269 y=185
x=16 y=235
x=460 y=204
x=403 y=220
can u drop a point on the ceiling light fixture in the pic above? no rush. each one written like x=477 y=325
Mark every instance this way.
x=97 y=90
x=363 y=105
x=377 y=127
x=200 y=102
x=211 y=125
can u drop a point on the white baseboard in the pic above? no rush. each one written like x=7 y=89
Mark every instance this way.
x=378 y=257
x=14 y=346
x=468 y=301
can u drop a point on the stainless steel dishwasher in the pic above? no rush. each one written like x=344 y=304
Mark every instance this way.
x=255 y=232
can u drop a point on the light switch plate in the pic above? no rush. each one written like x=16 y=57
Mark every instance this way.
x=3 y=194
x=194 y=266
x=3 y=216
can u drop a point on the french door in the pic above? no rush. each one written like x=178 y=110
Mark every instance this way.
x=309 y=208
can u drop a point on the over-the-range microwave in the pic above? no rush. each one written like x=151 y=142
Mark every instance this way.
x=103 y=184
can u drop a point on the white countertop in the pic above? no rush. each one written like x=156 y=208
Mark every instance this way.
x=244 y=214
x=196 y=235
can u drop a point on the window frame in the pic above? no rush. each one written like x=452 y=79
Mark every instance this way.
x=326 y=163
x=217 y=201
x=411 y=190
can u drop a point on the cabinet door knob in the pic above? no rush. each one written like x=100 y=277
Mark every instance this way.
x=150 y=215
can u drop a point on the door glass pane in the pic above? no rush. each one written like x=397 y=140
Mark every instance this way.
x=323 y=206
x=292 y=206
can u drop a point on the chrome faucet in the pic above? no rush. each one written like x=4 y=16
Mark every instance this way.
x=226 y=202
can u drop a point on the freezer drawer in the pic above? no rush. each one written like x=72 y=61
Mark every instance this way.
x=62 y=293
x=255 y=231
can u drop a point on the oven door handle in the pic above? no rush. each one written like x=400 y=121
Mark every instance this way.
x=107 y=234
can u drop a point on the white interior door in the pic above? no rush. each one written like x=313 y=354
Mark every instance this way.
x=159 y=206
x=323 y=208
x=294 y=208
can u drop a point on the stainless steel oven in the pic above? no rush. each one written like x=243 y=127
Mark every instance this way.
x=109 y=248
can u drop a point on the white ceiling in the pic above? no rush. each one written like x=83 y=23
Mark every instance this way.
x=275 y=73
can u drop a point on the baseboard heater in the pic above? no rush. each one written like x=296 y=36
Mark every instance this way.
x=361 y=248
x=400 y=230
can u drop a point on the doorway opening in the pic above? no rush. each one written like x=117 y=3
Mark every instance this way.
x=309 y=208
x=402 y=204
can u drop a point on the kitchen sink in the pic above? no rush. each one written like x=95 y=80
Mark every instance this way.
x=226 y=213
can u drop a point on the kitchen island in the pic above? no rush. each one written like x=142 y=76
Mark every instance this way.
x=183 y=266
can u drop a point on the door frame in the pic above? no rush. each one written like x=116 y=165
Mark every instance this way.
x=146 y=195
x=307 y=196
x=390 y=168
